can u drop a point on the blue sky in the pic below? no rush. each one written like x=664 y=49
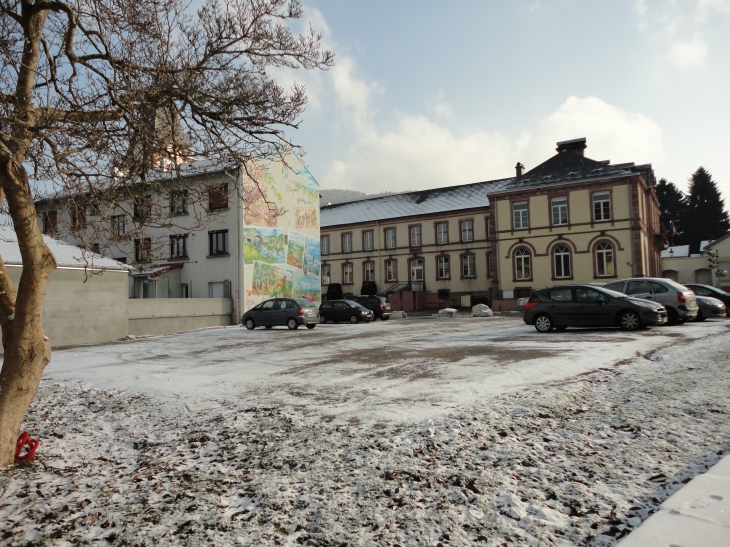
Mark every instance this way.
x=429 y=94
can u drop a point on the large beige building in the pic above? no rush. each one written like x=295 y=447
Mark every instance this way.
x=568 y=220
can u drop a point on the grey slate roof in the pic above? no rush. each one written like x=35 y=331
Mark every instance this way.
x=438 y=200
x=68 y=256
x=567 y=167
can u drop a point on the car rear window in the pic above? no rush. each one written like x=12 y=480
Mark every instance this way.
x=304 y=303
x=561 y=295
x=674 y=285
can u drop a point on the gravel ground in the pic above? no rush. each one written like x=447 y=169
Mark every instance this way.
x=577 y=462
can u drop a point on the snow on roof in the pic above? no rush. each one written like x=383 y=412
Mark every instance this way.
x=66 y=255
x=450 y=198
x=677 y=251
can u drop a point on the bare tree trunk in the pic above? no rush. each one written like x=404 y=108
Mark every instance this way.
x=27 y=349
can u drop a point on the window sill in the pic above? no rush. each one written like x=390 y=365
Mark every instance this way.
x=218 y=255
x=212 y=209
x=177 y=258
x=443 y=279
x=602 y=220
x=183 y=214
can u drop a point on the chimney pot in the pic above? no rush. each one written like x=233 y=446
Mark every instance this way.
x=577 y=146
x=518 y=169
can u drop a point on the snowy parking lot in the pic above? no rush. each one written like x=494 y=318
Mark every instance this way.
x=418 y=432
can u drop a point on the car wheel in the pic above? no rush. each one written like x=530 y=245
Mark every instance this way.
x=672 y=317
x=322 y=319
x=269 y=327
x=353 y=319
x=629 y=320
x=561 y=328
x=700 y=317
x=310 y=327
x=543 y=323
x=384 y=317
x=250 y=324
x=292 y=324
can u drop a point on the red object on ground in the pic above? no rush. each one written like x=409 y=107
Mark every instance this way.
x=23 y=440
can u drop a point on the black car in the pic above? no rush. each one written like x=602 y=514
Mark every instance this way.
x=344 y=310
x=378 y=304
x=589 y=306
x=709 y=290
x=280 y=312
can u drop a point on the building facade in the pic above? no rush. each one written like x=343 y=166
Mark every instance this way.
x=568 y=220
x=572 y=219
x=246 y=232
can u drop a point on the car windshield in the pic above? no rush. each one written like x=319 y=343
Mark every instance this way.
x=303 y=303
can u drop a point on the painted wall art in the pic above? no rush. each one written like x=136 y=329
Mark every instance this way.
x=281 y=254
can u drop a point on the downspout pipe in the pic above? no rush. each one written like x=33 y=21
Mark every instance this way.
x=631 y=230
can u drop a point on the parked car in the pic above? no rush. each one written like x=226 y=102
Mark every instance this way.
x=289 y=312
x=680 y=301
x=379 y=305
x=589 y=306
x=709 y=290
x=344 y=310
x=710 y=307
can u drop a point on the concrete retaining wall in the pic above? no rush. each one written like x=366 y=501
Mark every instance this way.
x=167 y=315
x=81 y=309
x=95 y=309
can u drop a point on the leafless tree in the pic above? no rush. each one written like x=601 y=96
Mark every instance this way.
x=96 y=96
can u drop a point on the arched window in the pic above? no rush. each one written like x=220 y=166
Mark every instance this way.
x=604 y=259
x=523 y=268
x=561 y=262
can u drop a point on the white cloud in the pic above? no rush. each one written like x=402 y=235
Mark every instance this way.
x=688 y=55
x=719 y=6
x=414 y=152
x=438 y=105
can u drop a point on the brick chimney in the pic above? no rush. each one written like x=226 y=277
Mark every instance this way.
x=518 y=169
x=574 y=145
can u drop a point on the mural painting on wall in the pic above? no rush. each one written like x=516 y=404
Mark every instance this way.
x=312 y=256
x=295 y=251
x=269 y=280
x=307 y=286
x=281 y=251
x=263 y=245
x=306 y=217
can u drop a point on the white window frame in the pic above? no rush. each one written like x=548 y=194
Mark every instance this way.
x=367 y=240
x=468 y=266
x=369 y=271
x=391 y=271
x=442 y=267
x=559 y=211
x=390 y=238
x=325 y=272
x=603 y=201
x=347 y=274
x=520 y=215
x=324 y=245
x=442 y=233
x=603 y=250
x=561 y=259
x=415 y=236
x=523 y=257
x=346 y=243
x=467 y=231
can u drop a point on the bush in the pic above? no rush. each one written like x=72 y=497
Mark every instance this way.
x=369 y=288
x=334 y=291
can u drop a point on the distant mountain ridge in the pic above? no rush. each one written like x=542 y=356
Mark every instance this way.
x=335 y=195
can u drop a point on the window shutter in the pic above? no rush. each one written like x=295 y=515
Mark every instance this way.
x=226 y=288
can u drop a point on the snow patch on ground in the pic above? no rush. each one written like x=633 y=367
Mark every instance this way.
x=576 y=461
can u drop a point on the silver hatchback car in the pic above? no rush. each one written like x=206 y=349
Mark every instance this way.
x=681 y=302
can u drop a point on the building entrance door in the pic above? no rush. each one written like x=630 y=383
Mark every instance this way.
x=417 y=275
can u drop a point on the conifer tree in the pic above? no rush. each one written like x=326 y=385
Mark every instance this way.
x=705 y=217
x=673 y=208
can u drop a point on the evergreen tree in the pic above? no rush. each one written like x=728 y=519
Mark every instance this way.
x=705 y=217
x=673 y=208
